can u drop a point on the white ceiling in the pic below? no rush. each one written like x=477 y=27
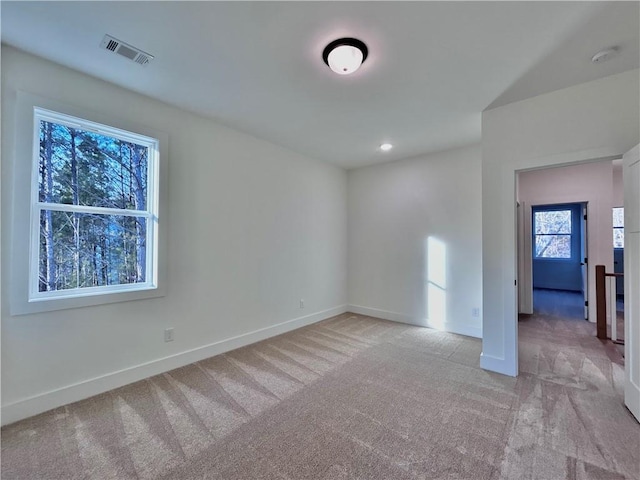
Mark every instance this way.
x=433 y=67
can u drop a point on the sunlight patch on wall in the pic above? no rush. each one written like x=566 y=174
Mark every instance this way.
x=436 y=282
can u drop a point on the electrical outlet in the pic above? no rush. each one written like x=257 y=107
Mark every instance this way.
x=168 y=334
x=301 y=303
x=475 y=312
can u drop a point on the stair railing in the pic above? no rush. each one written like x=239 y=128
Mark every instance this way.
x=606 y=282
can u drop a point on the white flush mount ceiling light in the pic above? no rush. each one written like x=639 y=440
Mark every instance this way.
x=604 y=55
x=385 y=147
x=345 y=55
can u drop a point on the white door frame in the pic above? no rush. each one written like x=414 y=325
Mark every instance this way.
x=584 y=254
x=525 y=245
x=631 y=176
x=525 y=248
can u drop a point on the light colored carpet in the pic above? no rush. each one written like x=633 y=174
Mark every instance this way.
x=349 y=398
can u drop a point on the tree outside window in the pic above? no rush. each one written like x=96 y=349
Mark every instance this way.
x=618 y=227
x=94 y=213
x=552 y=234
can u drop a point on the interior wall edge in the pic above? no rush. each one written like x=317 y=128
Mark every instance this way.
x=450 y=327
x=498 y=365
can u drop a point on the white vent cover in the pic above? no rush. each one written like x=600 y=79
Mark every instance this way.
x=128 y=51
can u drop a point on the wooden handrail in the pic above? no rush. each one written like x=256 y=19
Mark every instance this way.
x=601 y=302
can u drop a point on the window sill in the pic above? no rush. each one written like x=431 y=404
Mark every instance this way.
x=557 y=260
x=43 y=304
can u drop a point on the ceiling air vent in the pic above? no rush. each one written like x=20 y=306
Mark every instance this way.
x=124 y=49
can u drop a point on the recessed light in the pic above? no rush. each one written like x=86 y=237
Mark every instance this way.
x=385 y=147
x=345 y=55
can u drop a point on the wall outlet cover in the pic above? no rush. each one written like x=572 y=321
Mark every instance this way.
x=168 y=335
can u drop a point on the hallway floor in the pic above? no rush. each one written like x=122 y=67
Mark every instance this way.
x=569 y=306
x=571 y=400
x=560 y=303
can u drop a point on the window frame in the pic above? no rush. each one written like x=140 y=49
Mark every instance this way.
x=21 y=136
x=618 y=228
x=150 y=214
x=574 y=249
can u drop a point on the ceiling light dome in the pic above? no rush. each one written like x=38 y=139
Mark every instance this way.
x=345 y=55
x=604 y=55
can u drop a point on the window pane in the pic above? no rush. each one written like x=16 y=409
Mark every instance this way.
x=87 y=250
x=78 y=167
x=618 y=238
x=552 y=222
x=618 y=217
x=553 y=246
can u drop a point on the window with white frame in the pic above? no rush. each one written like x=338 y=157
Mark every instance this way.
x=94 y=209
x=552 y=233
x=618 y=227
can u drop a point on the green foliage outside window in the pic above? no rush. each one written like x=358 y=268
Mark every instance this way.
x=80 y=169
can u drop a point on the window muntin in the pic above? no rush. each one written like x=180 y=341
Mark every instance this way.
x=618 y=227
x=94 y=209
x=552 y=234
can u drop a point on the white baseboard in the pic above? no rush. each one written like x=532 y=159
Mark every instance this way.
x=385 y=315
x=72 y=393
x=499 y=365
x=632 y=397
x=487 y=362
x=468 y=330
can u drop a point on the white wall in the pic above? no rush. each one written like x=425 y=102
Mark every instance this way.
x=618 y=184
x=588 y=182
x=598 y=119
x=393 y=211
x=253 y=229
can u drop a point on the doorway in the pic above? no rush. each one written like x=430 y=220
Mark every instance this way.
x=565 y=210
x=587 y=186
x=559 y=260
x=618 y=268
